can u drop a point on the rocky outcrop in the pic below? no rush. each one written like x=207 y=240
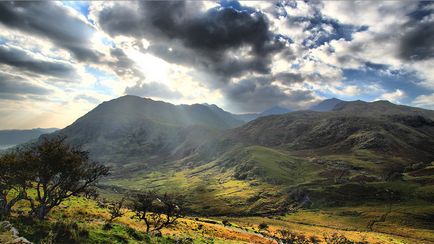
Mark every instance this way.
x=6 y=226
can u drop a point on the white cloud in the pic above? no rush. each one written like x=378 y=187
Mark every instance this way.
x=426 y=101
x=394 y=97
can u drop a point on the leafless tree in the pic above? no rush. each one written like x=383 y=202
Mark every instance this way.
x=156 y=211
x=115 y=210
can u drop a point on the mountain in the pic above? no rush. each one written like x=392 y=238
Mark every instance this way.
x=10 y=138
x=133 y=129
x=271 y=111
x=378 y=126
x=350 y=155
x=230 y=119
x=326 y=105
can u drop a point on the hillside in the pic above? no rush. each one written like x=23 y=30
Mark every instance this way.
x=351 y=126
x=80 y=220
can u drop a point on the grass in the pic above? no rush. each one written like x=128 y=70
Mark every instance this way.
x=255 y=181
x=79 y=220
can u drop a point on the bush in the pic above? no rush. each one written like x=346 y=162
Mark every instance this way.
x=263 y=226
x=135 y=234
x=286 y=237
x=336 y=238
x=226 y=222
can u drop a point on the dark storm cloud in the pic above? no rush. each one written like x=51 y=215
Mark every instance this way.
x=49 y=20
x=257 y=94
x=11 y=86
x=418 y=42
x=152 y=89
x=288 y=78
x=212 y=40
x=20 y=59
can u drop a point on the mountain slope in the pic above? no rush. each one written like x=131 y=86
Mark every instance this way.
x=378 y=126
x=133 y=129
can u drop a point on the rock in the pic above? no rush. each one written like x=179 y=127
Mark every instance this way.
x=19 y=240
x=14 y=231
x=5 y=225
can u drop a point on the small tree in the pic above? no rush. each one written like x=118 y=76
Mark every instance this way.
x=263 y=226
x=14 y=180
x=59 y=172
x=90 y=193
x=115 y=210
x=156 y=211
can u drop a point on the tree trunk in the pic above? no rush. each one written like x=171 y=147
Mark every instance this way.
x=42 y=212
x=7 y=210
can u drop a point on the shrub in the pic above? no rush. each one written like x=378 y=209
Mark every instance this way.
x=226 y=222
x=287 y=237
x=336 y=238
x=263 y=226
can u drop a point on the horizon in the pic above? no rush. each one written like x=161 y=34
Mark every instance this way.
x=205 y=104
x=58 y=66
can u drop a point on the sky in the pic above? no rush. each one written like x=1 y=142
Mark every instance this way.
x=59 y=60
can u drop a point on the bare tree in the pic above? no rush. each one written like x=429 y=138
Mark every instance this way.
x=14 y=180
x=59 y=172
x=115 y=210
x=391 y=197
x=90 y=193
x=156 y=211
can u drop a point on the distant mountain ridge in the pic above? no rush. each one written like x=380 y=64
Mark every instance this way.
x=14 y=137
x=326 y=105
x=271 y=111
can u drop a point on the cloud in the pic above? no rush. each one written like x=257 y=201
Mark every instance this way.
x=13 y=85
x=226 y=41
x=394 y=97
x=426 y=101
x=418 y=42
x=257 y=94
x=52 y=21
x=152 y=89
x=87 y=98
x=24 y=61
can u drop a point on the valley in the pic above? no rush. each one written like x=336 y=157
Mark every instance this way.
x=364 y=170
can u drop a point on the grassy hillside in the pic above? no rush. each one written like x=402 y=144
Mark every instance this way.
x=80 y=220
